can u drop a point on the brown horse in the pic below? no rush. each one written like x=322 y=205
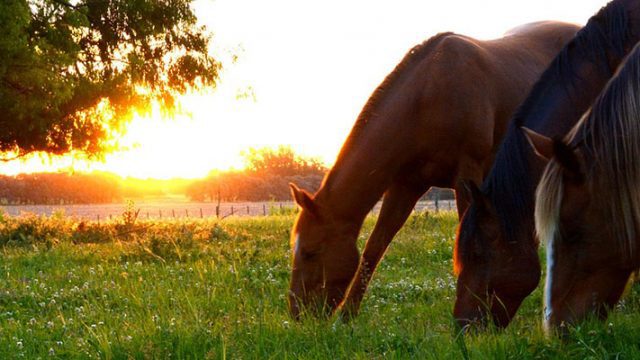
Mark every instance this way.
x=496 y=254
x=588 y=203
x=437 y=118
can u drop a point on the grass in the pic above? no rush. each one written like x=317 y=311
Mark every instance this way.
x=208 y=289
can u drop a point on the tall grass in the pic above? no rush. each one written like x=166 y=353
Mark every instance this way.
x=216 y=289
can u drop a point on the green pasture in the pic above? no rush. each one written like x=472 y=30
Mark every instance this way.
x=194 y=289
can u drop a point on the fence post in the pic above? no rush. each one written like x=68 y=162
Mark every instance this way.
x=201 y=213
x=264 y=209
x=160 y=212
x=231 y=210
x=437 y=199
x=98 y=218
x=173 y=212
x=218 y=211
x=148 y=215
x=248 y=211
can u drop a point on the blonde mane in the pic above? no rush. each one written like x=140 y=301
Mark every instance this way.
x=609 y=137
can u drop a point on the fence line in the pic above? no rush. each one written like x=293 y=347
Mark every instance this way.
x=155 y=211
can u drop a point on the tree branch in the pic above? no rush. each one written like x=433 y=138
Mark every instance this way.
x=17 y=87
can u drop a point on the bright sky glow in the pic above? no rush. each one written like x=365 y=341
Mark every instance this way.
x=311 y=67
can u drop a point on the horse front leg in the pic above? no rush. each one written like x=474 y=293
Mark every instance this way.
x=397 y=204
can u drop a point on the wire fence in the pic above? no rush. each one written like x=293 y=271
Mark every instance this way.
x=184 y=210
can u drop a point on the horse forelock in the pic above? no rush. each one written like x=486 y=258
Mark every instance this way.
x=509 y=185
x=548 y=201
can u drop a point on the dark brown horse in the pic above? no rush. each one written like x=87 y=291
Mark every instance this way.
x=437 y=118
x=496 y=250
x=588 y=203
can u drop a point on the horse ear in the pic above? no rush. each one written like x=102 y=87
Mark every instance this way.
x=303 y=199
x=471 y=188
x=569 y=160
x=547 y=148
x=542 y=145
x=475 y=194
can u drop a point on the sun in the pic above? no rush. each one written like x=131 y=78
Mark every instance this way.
x=187 y=144
x=209 y=131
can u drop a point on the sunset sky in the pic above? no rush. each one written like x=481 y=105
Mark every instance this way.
x=305 y=70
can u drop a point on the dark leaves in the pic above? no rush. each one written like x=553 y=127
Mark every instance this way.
x=59 y=60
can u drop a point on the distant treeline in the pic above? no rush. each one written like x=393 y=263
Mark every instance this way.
x=266 y=176
x=59 y=188
x=94 y=188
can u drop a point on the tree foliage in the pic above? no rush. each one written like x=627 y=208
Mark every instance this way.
x=81 y=188
x=72 y=71
x=59 y=188
x=266 y=177
x=282 y=161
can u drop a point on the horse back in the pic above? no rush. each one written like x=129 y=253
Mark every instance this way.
x=468 y=89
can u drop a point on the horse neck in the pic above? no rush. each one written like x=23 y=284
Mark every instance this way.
x=375 y=151
x=379 y=144
x=356 y=183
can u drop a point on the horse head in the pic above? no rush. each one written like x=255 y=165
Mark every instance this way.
x=494 y=275
x=586 y=270
x=325 y=257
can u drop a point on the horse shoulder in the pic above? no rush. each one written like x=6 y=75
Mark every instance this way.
x=462 y=66
x=458 y=49
x=460 y=97
x=467 y=70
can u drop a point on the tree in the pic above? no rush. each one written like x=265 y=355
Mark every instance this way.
x=266 y=177
x=73 y=71
x=282 y=161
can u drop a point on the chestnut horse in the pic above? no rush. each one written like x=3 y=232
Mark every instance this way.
x=437 y=118
x=588 y=203
x=496 y=255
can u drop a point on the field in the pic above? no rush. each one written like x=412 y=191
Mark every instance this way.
x=209 y=288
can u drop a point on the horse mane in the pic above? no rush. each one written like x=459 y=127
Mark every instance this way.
x=609 y=135
x=510 y=178
x=411 y=58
